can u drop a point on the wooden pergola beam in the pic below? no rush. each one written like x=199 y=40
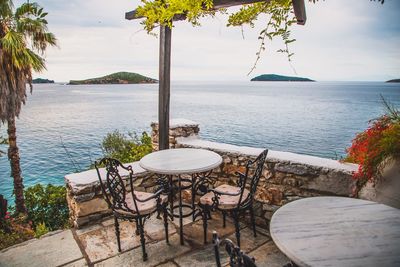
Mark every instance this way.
x=298 y=6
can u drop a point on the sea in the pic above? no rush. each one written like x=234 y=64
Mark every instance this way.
x=61 y=127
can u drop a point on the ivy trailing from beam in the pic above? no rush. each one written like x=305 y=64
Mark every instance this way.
x=280 y=18
x=279 y=12
x=159 y=12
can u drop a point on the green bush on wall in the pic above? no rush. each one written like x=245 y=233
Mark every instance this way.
x=126 y=148
x=47 y=206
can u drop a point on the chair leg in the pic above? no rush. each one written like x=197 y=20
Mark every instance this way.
x=205 y=215
x=253 y=221
x=224 y=219
x=117 y=233
x=165 y=215
x=237 y=227
x=142 y=239
x=137 y=232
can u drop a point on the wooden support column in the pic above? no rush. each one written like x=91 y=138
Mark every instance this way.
x=164 y=87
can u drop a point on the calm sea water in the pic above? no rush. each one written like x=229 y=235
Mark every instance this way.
x=318 y=119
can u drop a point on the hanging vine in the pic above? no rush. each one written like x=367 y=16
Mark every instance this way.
x=279 y=13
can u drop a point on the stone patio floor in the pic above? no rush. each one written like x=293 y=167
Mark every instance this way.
x=96 y=245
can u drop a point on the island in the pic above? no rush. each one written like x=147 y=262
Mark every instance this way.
x=116 y=78
x=280 y=78
x=394 y=81
x=40 y=80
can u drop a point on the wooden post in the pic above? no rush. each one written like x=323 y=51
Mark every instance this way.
x=164 y=87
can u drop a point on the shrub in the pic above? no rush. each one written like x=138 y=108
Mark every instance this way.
x=40 y=230
x=14 y=231
x=47 y=205
x=371 y=148
x=126 y=148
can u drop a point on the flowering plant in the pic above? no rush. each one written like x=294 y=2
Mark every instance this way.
x=372 y=148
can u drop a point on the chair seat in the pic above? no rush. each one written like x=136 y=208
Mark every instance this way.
x=143 y=207
x=225 y=202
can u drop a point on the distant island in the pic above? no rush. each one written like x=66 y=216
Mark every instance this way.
x=394 y=81
x=280 y=78
x=117 y=78
x=40 y=80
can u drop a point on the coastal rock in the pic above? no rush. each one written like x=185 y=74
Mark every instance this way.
x=116 y=78
x=280 y=78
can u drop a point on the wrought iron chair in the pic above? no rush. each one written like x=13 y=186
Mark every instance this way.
x=235 y=200
x=237 y=258
x=132 y=206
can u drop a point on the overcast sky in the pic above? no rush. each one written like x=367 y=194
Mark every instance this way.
x=343 y=40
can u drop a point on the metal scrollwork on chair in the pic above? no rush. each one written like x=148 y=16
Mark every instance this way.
x=237 y=258
x=235 y=200
x=129 y=205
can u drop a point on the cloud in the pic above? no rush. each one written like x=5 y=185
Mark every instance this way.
x=342 y=40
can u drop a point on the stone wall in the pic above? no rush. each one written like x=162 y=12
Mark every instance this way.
x=286 y=177
x=84 y=196
x=177 y=128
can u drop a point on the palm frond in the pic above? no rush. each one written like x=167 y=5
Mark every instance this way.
x=6 y=7
x=24 y=37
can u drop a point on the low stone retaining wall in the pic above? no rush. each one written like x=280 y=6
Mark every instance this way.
x=286 y=177
x=84 y=196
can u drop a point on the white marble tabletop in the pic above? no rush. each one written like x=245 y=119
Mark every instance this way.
x=180 y=161
x=338 y=231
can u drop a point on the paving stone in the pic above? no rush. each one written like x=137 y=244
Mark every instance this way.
x=108 y=221
x=262 y=231
x=186 y=221
x=168 y=264
x=158 y=252
x=194 y=232
x=269 y=255
x=102 y=243
x=247 y=240
x=79 y=263
x=53 y=250
x=87 y=229
x=154 y=228
x=202 y=257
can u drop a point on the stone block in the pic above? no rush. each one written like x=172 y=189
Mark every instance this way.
x=297 y=169
x=52 y=250
x=158 y=252
x=269 y=255
x=272 y=195
x=204 y=257
x=154 y=228
x=231 y=169
x=95 y=205
x=84 y=197
x=102 y=243
x=335 y=182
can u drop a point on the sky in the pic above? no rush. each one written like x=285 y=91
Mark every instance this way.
x=343 y=40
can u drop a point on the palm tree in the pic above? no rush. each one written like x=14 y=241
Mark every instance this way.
x=24 y=38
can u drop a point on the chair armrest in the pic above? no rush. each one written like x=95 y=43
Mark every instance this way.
x=155 y=195
x=219 y=193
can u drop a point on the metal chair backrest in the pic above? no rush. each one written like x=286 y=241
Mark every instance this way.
x=237 y=258
x=255 y=178
x=114 y=187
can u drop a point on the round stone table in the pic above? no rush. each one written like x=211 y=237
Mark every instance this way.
x=337 y=231
x=178 y=162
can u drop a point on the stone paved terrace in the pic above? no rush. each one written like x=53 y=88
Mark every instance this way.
x=96 y=245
